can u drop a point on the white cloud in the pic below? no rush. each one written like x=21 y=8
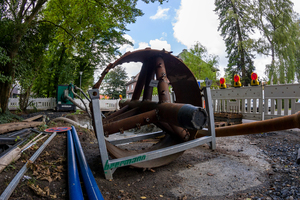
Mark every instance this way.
x=296 y=6
x=133 y=68
x=196 y=21
x=160 y=44
x=260 y=63
x=127 y=47
x=143 y=45
x=161 y=13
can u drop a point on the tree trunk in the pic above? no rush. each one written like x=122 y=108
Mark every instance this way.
x=4 y=97
x=24 y=99
x=8 y=70
x=272 y=65
x=58 y=67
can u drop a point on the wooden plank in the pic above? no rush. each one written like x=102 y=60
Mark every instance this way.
x=32 y=118
x=17 y=126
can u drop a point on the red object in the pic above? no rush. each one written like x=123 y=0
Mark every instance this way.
x=236 y=78
x=222 y=80
x=58 y=129
x=254 y=76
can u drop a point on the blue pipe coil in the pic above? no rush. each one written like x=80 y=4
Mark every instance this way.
x=90 y=184
x=75 y=191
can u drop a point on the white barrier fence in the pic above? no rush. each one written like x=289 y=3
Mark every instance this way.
x=258 y=102
x=254 y=102
x=50 y=104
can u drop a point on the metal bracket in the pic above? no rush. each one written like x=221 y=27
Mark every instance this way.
x=209 y=110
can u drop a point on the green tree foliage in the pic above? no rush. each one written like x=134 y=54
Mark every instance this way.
x=114 y=82
x=15 y=19
x=236 y=25
x=30 y=59
x=297 y=53
x=276 y=21
x=200 y=62
x=78 y=23
x=3 y=60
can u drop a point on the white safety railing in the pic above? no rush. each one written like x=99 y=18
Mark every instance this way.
x=258 y=102
x=50 y=104
x=38 y=103
x=254 y=102
x=282 y=100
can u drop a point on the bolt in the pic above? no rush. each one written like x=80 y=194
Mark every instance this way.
x=186 y=137
x=163 y=74
x=106 y=133
x=121 y=130
x=147 y=119
x=138 y=125
x=163 y=92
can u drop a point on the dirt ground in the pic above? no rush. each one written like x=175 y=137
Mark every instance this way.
x=261 y=166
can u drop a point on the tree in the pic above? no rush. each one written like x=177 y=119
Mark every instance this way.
x=30 y=59
x=114 y=82
x=202 y=64
x=275 y=20
x=236 y=25
x=76 y=22
x=297 y=53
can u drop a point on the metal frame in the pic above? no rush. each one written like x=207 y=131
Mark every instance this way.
x=109 y=166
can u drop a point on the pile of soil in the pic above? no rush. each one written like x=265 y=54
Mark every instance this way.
x=280 y=179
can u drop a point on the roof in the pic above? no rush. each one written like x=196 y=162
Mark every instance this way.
x=133 y=79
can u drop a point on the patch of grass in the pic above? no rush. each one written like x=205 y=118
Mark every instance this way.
x=32 y=180
x=8 y=117
x=43 y=127
x=10 y=166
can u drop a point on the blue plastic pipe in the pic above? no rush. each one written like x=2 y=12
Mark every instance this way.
x=75 y=191
x=90 y=184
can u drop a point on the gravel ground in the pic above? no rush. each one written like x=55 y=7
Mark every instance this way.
x=260 y=166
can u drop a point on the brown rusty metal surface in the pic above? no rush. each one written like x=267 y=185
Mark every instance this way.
x=148 y=91
x=161 y=76
x=167 y=112
x=277 y=124
x=183 y=82
x=119 y=112
x=130 y=122
x=186 y=112
x=192 y=117
x=124 y=115
x=168 y=70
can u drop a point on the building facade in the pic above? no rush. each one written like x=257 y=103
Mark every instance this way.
x=130 y=86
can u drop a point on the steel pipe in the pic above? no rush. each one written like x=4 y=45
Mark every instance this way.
x=181 y=115
x=75 y=191
x=130 y=122
x=277 y=124
x=161 y=76
x=90 y=184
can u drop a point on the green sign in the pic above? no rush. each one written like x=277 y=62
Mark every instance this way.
x=123 y=163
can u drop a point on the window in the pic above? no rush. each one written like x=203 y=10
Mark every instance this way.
x=128 y=88
x=132 y=86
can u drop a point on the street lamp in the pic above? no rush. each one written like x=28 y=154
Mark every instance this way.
x=80 y=73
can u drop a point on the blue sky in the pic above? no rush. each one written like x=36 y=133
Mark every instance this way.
x=178 y=25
